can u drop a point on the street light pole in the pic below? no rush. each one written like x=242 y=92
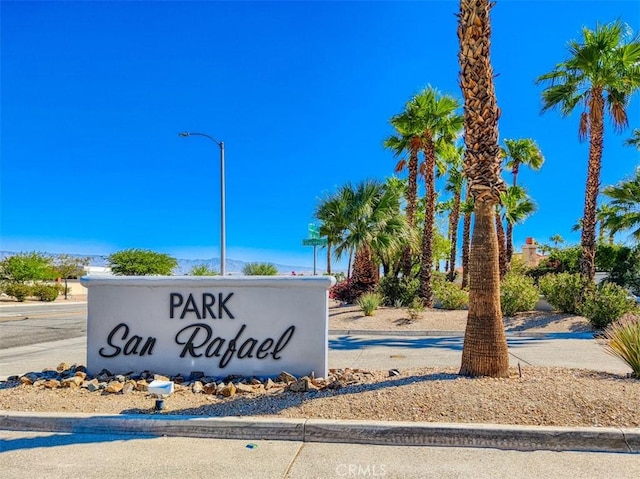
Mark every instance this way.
x=222 y=197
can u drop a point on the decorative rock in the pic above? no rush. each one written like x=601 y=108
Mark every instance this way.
x=159 y=377
x=197 y=387
x=394 y=372
x=244 y=388
x=27 y=379
x=142 y=385
x=227 y=390
x=91 y=386
x=105 y=372
x=81 y=374
x=63 y=367
x=210 y=388
x=195 y=375
x=299 y=385
x=128 y=387
x=52 y=384
x=39 y=382
x=72 y=382
x=179 y=379
x=121 y=378
x=114 y=387
x=285 y=377
x=268 y=384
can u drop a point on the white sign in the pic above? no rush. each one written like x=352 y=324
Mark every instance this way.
x=247 y=325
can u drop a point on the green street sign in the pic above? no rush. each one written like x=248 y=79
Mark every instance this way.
x=314 y=242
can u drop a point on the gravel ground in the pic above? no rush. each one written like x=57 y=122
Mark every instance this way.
x=540 y=396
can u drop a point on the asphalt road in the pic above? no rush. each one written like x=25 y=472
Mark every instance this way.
x=27 y=324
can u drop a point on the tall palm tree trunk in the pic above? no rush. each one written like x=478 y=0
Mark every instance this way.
x=412 y=199
x=588 y=240
x=426 y=263
x=502 y=252
x=485 y=346
x=485 y=350
x=466 y=239
x=509 y=249
x=328 y=258
x=455 y=219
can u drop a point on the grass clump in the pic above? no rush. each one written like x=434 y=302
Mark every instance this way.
x=369 y=302
x=622 y=340
x=259 y=269
x=415 y=309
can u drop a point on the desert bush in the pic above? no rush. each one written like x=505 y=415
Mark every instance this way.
x=18 y=290
x=416 y=308
x=369 y=302
x=344 y=291
x=259 y=269
x=141 y=262
x=450 y=295
x=46 y=292
x=606 y=304
x=622 y=340
x=203 y=270
x=563 y=291
x=517 y=293
x=396 y=290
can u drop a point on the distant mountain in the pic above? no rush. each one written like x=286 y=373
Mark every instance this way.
x=185 y=265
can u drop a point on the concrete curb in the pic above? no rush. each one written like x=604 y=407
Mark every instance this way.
x=523 y=438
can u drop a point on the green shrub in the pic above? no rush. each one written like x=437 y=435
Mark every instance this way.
x=563 y=291
x=46 y=292
x=396 y=290
x=622 y=340
x=203 y=270
x=517 y=293
x=259 y=269
x=606 y=304
x=416 y=309
x=450 y=295
x=141 y=262
x=18 y=290
x=369 y=302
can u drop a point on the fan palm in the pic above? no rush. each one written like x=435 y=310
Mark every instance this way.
x=440 y=125
x=625 y=203
x=635 y=139
x=518 y=206
x=601 y=74
x=331 y=212
x=522 y=152
x=455 y=183
x=485 y=351
x=373 y=224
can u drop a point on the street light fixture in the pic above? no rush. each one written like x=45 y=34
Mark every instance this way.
x=222 y=196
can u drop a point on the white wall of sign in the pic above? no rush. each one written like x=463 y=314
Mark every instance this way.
x=246 y=325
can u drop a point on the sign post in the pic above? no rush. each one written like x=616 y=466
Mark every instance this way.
x=314 y=240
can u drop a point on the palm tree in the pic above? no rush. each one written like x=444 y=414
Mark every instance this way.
x=466 y=208
x=502 y=248
x=373 y=225
x=601 y=71
x=440 y=124
x=556 y=240
x=518 y=206
x=522 y=152
x=408 y=139
x=330 y=211
x=454 y=157
x=635 y=139
x=603 y=215
x=485 y=351
x=625 y=206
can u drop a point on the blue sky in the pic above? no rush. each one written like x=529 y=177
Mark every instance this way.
x=93 y=95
